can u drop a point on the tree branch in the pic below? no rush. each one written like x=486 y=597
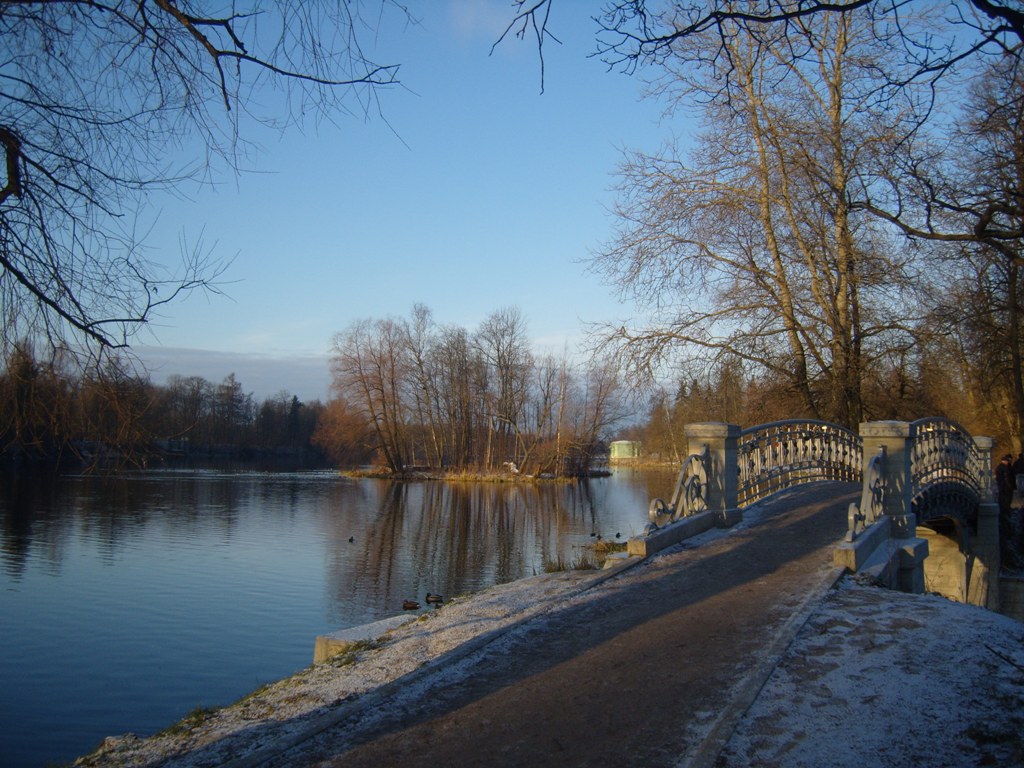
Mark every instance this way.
x=12 y=155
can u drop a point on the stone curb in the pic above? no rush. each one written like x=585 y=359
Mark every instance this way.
x=705 y=754
x=374 y=698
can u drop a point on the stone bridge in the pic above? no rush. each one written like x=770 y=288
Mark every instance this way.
x=926 y=519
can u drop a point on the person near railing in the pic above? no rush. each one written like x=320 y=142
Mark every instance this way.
x=1018 y=471
x=1005 y=484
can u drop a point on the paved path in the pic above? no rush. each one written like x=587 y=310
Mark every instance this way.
x=638 y=673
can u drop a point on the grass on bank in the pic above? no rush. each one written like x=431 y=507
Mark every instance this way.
x=351 y=653
x=590 y=560
x=195 y=718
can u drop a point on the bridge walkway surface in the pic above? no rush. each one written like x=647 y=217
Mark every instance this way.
x=654 y=667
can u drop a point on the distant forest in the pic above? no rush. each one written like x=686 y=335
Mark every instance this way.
x=56 y=414
x=408 y=397
x=411 y=396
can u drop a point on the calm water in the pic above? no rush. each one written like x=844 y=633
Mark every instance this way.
x=126 y=602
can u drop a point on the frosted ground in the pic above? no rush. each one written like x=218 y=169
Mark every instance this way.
x=874 y=678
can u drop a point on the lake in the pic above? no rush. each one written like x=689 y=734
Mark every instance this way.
x=129 y=600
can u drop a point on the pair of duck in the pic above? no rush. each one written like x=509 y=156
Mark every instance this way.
x=412 y=605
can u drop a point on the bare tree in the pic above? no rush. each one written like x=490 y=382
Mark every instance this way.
x=467 y=401
x=501 y=341
x=933 y=36
x=545 y=410
x=454 y=364
x=33 y=405
x=929 y=47
x=344 y=434
x=975 y=184
x=424 y=387
x=95 y=100
x=595 y=407
x=749 y=248
x=370 y=364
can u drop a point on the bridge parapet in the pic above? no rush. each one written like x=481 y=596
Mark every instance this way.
x=950 y=471
x=779 y=455
x=705 y=491
x=730 y=468
x=925 y=470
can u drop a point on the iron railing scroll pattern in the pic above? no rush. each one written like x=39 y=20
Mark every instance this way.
x=780 y=455
x=948 y=471
x=690 y=494
x=872 y=499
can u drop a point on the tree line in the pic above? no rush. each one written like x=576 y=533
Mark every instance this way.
x=727 y=392
x=54 y=412
x=844 y=232
x=443 y=397
x=408 y=395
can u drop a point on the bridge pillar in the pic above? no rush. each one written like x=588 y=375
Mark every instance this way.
x=909 y=550
x=983 y=580
x=894 y=437
x=985 y=447
x=983 y=576
x=723 y=442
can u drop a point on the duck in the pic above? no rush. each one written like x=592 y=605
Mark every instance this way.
x=351 y=539
x=410 y=605
x=434 y=599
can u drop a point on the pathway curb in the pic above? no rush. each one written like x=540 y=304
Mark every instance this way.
x=706 y=752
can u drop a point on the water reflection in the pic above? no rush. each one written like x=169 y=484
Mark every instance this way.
x=129 y=600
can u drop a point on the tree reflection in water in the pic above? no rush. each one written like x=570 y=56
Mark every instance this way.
x=166 y=590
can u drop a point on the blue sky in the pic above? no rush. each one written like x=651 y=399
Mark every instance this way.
x=473 y=192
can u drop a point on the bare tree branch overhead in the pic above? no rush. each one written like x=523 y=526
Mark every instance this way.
x=96 y=101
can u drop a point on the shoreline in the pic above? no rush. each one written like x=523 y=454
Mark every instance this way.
x=461 y=476
x=297 y=707
x=846 y=655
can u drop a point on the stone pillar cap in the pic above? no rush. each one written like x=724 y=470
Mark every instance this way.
x=885 y=429
x=712 y=429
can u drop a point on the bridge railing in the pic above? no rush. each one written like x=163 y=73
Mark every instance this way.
x=950 y=471
x=927 y=470
x=782 y=454
x=689 y=495
x=922 y=470
x=905 y=468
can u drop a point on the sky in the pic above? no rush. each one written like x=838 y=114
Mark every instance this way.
x=473 y=192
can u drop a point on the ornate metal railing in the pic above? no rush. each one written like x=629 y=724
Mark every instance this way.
x=690 y=494
x=776 y=456
x=948 y=471
x=934 y=466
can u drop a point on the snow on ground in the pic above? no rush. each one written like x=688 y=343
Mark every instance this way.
x=875 y=678
x=881 y=678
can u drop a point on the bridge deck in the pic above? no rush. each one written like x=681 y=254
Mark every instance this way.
x=634 y=673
